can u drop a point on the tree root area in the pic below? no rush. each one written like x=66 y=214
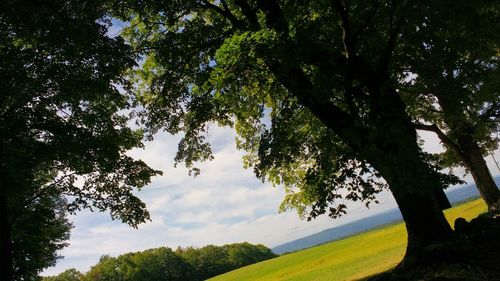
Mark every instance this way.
x=473 y=254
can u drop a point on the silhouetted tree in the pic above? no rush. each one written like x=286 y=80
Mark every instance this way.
x=38 y=232
x=338 y=62
x=154 y=264
x=61 y=131
x=453 y=87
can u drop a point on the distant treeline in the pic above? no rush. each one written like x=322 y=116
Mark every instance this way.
x=183 y=264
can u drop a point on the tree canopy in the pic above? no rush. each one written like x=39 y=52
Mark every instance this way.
x=37 y=234
x=324 y=74
x=63 y=132
x=154 y=264
x=452 y=87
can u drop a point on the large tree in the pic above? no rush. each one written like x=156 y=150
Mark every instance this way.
x=234 y=62
x=62 y=136
x=38 y=232
x=453 y=86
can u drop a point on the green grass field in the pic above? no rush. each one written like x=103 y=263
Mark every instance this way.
x=351 y=258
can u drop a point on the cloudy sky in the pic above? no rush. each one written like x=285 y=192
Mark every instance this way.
x=225 y=204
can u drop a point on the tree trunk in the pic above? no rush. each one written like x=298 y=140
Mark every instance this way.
x=387 y=140
x=5 y=241
x=442 y=199
x=474 y=162
x=395 y=153
x=425 y=222
x=418 y=194
x=468 y=150
x=6 y=258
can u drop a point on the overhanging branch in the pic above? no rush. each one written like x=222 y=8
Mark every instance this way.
x=441 y=135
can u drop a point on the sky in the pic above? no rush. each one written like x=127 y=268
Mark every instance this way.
x=224 y=204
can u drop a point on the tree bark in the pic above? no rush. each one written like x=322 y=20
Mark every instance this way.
x=425 y=222
x=442 y=200
x=395 y=153
x=415 y=193
x=6 y=257
x=5 y=241
x=415 y=190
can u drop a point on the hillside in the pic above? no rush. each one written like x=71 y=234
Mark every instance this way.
x=351 y=258
x=455 y=196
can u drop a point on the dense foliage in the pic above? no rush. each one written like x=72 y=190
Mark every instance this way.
x=312 y=89
x=184 y=264
x=63 y=137
x=452 y=86
x=212 y=260
x=38 y=232
x=67 y=275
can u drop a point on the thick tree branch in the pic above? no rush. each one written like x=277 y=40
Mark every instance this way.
x=356 y=67
x=249 y=12
x=224 y=12
x=342 y=9
x=441 y=135
x=274 y=15
x=395 y=27
x=298 y=84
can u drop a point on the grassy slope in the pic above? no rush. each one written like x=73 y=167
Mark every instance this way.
x=347 y=259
